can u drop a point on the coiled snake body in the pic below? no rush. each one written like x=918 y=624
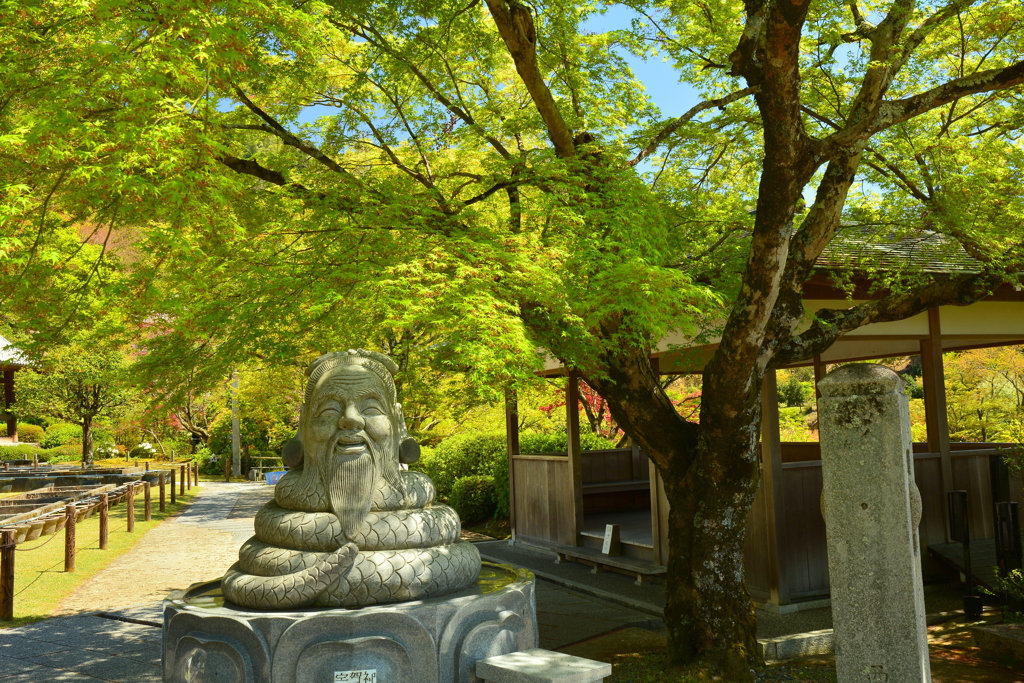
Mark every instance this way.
x=407 y=548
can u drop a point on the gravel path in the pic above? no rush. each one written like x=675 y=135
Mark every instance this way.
x=197 y=545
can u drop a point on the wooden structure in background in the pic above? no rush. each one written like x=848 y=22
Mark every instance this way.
x=559 y=500
x=11 y=361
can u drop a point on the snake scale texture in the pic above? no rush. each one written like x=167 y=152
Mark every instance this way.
x=407 y=548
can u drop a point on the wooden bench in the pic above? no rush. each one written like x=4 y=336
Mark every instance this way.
x=641 y=569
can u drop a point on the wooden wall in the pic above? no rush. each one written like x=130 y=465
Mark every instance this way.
x=544 y=489
x=756 y=552
x=805 y=562
x=543 y=499
x=614 y=465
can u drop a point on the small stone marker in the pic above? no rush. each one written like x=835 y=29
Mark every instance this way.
x=872 y=509
x=612 y=544
x=541 y=666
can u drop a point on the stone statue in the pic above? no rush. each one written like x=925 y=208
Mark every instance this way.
x=347 y=526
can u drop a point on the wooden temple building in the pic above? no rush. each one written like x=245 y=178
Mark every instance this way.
x=11 y=360
x=562 y=502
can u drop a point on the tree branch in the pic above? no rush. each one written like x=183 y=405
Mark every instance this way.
x=288 y=138
x=675 y=124
x=830 y=323
x=898 y=111
x=516 y=27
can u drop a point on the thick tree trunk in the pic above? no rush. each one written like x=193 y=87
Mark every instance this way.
x=709 y=614
x=87 y=458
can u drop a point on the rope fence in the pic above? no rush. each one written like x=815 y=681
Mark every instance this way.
x=51 y=523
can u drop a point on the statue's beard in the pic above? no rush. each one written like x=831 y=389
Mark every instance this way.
x=351 y=483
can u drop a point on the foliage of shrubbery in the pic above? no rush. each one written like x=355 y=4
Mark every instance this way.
x=20 y=452
x=209 y=463
x=67 y=453
x=25 y=452
x=472 y=454
x=26 y=432
x=106 y=452
x=61 y=434
x=474 y=498
x=143 y=450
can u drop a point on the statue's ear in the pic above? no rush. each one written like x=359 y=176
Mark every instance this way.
x=408 y=447
x=408 y=451
x=292 y=454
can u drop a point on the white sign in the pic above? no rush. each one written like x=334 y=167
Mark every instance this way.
x=361 y=676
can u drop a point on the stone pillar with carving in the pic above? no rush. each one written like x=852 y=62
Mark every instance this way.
x=872 y=510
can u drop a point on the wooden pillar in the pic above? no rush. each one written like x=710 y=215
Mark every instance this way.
x=512 y=446
x=933 y=380
x=934 y=385
x=820 y=370
x=181 y=483
x=163 y=500
x=172 y=486
x=771 y=483
x=131 y=508
x=104 y=520
x=69 y=538
x=7 y=574
x=12 y=421
x=147 y=507
x=572 y=426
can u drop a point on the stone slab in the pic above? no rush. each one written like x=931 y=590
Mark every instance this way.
x=1001 y=640
x=541 y=666
x=797 y=645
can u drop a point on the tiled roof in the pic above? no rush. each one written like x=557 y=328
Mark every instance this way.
x=858 y=248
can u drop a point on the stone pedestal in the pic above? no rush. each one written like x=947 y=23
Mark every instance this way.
x=872 y=509
x=438 y=640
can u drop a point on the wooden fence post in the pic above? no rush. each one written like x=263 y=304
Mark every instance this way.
x=147 y=466
x=163 y=504
x=148 y=501
x=7 y=575
x=195 y=472
x=131 y=508
x=69 y=538
x=104 y=520
x=172 y=486
x=181 y=484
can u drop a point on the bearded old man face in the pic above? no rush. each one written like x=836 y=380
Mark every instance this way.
x=350 y=436
x=350 y=412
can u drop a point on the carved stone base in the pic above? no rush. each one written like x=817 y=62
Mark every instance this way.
x=427 y=641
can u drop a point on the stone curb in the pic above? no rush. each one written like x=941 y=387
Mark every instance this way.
x=1000 y=640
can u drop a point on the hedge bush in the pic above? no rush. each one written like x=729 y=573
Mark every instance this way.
x=20 y=452
x=26 y=432
x=474 y=498
x=61 y=434
x=53 y=455
x=478 y=453
x=67 y=453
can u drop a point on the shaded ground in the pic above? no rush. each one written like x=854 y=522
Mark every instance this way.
x=637 y=656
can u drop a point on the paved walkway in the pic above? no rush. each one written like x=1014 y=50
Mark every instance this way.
x=112 y=627
x=197 y=545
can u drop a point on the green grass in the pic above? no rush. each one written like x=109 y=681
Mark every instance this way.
x=40 y=582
